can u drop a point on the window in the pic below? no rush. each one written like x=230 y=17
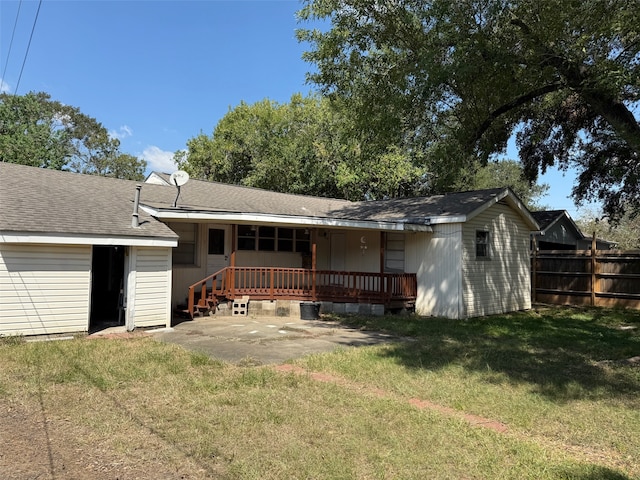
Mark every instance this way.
x=267 y=239
x=482 y=244
x=185 y=252
x=271 y=239
x=394 y=252
x=303 y=240
x=216 y=241
x=285 y=239
x=247 y=237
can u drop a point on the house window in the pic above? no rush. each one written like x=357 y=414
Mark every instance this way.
x=482 y=244
x=394 y=253
x=247 y=237
x=303 y=240
x=267 y=239
x=285 y=239
x=216 y=241
x=185 y=252
x=271 y=239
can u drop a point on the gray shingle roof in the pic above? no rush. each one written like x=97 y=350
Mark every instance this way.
x=55 y=202
x=202 y=196
x=37 y=200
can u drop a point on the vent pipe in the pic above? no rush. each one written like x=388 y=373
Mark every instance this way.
x=134 y=217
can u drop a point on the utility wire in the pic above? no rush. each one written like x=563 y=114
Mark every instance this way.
x=15 y=24
x=28 y=46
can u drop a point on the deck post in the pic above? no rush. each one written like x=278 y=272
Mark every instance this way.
x=383 y=238
x=314 y=241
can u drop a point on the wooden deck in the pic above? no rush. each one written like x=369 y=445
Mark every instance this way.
x=275 y=283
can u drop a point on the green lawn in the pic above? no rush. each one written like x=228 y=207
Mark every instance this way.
x=557 y=379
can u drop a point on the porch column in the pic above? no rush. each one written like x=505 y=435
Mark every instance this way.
x=232 y=260
x=314 y=240
x=383 y=238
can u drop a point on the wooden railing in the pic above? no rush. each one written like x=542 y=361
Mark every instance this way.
x=276 y=283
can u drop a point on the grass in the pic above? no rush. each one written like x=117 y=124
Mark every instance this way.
x=556 y=377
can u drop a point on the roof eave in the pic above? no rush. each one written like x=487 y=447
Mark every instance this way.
x=259 y=218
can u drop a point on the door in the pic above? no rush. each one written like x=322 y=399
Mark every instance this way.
x=219 y=248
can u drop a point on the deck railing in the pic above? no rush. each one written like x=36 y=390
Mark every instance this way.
x=276 y=283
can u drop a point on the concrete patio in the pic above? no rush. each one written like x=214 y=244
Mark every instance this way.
x=265 y=340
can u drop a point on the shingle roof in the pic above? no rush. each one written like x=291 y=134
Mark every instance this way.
x=198 y=195
x=55 y=202
x=37 y=200
x=547 y=217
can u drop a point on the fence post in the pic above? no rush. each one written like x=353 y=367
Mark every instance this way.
x=534 y=269
x=593 y=269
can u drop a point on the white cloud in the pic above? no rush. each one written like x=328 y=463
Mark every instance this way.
x=4 y=86
x=123 y=132
x=159 y=160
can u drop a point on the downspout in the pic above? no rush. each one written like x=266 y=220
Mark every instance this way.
x=135 y=222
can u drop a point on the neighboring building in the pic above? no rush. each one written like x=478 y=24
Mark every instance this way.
x=67 y=245
x=558 y=231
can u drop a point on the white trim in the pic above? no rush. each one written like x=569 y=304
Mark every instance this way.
x=130 y=312
x=249 y=218
x=26 y=237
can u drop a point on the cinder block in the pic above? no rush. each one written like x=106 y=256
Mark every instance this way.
x=352 y=308
x=326 y=307
x=241 y=307
x=364 y=309
x=339 y=308
x=377 y=310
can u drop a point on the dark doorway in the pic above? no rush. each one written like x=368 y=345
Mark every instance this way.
x=107 y=287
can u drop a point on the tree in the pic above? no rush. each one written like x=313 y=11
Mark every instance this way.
x=306 y=146
x=457 y=79
x=40 y=132
x=626 y=232
x=506 y=173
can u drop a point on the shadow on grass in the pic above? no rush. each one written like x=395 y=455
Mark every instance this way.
x=564 y=353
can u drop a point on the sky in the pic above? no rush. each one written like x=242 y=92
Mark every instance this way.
x=157 y=73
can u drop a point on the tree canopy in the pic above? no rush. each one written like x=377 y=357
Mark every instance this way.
x=305 y=146
x=457 y=79
x=311 y=146
x=40 y=132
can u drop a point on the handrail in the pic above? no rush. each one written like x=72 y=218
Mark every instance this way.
x=272 y=283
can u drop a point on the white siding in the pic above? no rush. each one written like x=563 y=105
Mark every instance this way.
x=435 y=258
x=44 y=289
x=152 y=291
x=501 y=283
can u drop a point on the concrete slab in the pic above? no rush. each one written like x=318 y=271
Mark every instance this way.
x=265 y=340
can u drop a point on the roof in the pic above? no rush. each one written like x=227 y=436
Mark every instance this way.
x=52 y=202
x=201 y=199
x=547 y=218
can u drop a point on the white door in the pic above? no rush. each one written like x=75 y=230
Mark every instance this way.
x=219 y=248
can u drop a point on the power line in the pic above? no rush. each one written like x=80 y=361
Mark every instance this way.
x=15 y=24
x=28 y=46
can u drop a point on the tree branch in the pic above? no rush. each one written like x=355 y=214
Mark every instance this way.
x=515 y=103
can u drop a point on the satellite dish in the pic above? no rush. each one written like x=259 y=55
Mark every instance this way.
x=178 y=178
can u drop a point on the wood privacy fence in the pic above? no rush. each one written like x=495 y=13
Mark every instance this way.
x=608 y=278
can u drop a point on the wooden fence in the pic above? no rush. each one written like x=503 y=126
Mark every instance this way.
x=608 y=278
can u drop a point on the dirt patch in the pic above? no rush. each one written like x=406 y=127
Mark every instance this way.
x=35 y=446
x=474 y=420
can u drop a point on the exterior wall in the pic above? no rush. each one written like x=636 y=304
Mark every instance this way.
x=357 y=258
x=501 y=283
x=149 y=298
x=435 y=259
x=44 y=289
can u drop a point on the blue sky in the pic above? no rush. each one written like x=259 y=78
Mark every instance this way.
x=157 y=73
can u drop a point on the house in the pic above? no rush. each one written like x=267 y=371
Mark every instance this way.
x=558 y=231
x=66 y=240
x=70 y=257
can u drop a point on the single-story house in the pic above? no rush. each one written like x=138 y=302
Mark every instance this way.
x=78 y=249
x=558 y=231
